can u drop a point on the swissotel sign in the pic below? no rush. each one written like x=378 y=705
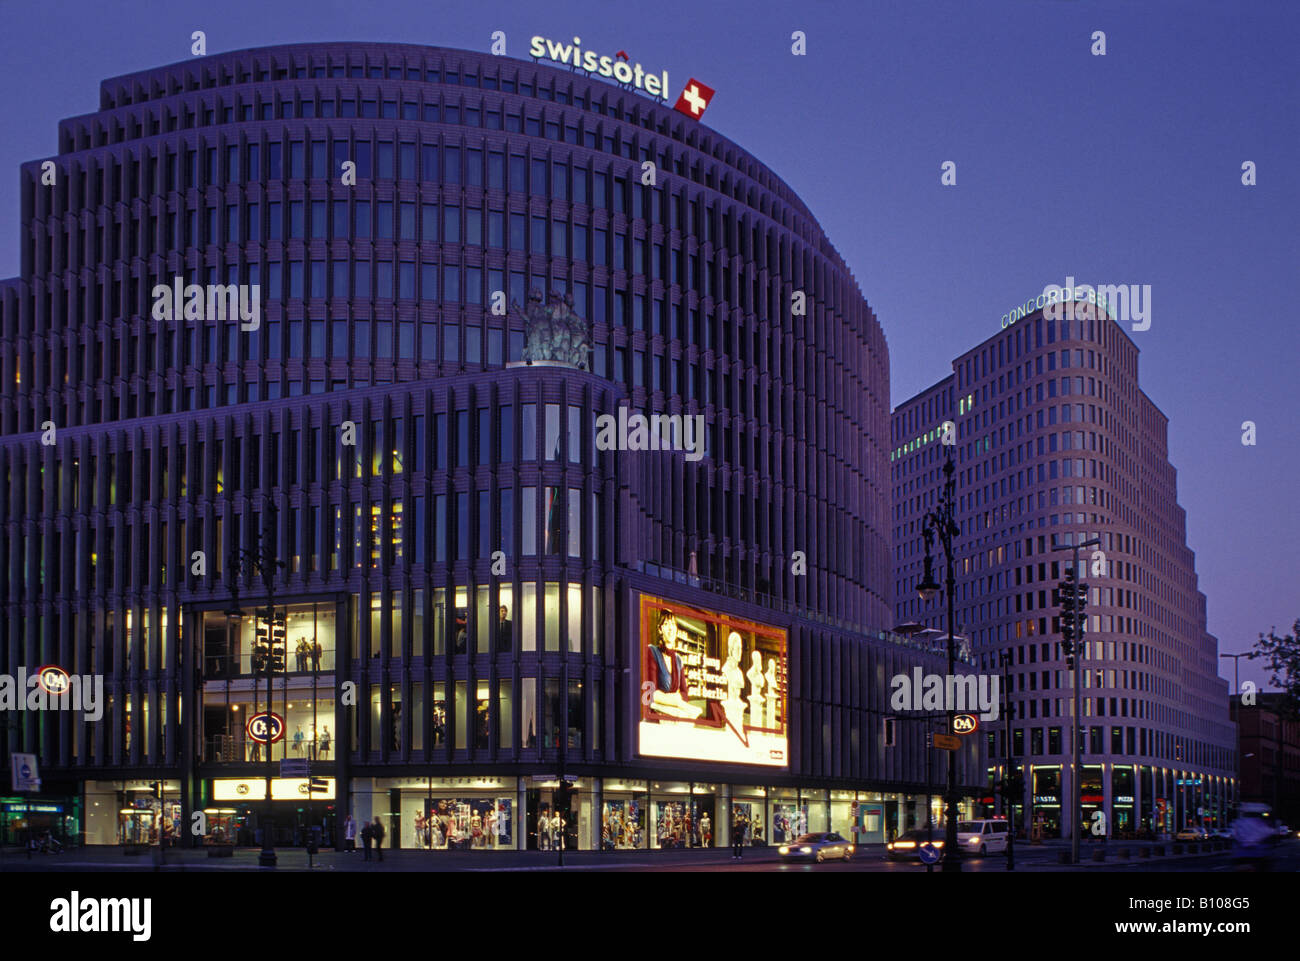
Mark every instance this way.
x=694 y=98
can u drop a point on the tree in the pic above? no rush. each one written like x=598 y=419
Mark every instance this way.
x=1282 y=654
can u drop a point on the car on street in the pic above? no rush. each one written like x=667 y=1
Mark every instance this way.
x=1191 y=834
x=907 y=846
x=817 y=847
x=984 y=836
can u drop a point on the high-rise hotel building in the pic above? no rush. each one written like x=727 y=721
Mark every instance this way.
x=1056 y=443
x=475 y=597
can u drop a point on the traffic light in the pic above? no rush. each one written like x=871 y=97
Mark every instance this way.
x=1069 y=597
x=564 y=796
x=1014 y=786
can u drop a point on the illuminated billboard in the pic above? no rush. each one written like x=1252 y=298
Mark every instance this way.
x=713 y=687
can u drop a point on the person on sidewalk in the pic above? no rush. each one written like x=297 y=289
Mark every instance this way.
x=349 y=835
x=738 y=837
x=378 y=832
x=367 y=837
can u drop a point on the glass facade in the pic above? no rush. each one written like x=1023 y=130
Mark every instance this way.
x=450 y=538
x=1051 y=435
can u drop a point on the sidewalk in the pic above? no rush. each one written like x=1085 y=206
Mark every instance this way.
x=111 y=858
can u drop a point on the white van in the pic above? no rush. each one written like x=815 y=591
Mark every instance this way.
x=985 y=836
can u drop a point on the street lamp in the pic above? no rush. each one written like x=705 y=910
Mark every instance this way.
x=1073 y=643
x=1009 y=778
x=941 y=523
x=1236 y=690
x=262 y=562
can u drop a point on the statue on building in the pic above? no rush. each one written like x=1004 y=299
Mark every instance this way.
x=553 y=332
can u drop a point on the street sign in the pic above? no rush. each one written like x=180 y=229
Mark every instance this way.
x=965 y=724
x=293 y=767
x=929 y=853
x=26 y=776
x=947 y=742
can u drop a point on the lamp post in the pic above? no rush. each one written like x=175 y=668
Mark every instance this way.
x=1071 y=647
x=941 y=523
x=1009 y=777
x=1236 y=690
x=262 y=562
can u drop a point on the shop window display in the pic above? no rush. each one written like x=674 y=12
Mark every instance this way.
x=554 y=830
x=622 y=825
x=303 y=642
x=789 y=821
x=685 y=823
x=749 y=817
x=464 y=824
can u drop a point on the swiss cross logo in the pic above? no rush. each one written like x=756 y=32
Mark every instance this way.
x=694 y=99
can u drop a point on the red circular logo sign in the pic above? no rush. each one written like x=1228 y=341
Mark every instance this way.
x=53 y=680
x=965 y=724
x=265 y=728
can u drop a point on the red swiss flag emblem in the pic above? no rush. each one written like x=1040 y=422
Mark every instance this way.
x=695 y=97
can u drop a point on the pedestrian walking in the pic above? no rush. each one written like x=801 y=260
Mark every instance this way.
x=349 y=835
x=367 y=838
x=738 y=838
x=378 y=832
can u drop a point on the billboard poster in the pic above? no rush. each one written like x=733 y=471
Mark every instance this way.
x=713 y=686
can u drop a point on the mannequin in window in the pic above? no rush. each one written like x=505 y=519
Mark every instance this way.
x=665 y=669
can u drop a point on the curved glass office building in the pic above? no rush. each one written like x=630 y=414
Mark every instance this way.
x=565 y=425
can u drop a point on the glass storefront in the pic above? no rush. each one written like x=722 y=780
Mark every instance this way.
x=749 y=814
x=460 y=819
x=550 y=825
x=303 y=642
x=613 y=814
x=1091 y=799
x=789 y=818
x=307 y=728
x=623 y=815
x=684 y=814
x=1045 y=822
x=25 y=818
x=1123 y=786
x=129 y=812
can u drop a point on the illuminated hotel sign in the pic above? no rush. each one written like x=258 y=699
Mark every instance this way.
x=282 y=789
x=617 y=67
x=1049 y=296
x=713 y=687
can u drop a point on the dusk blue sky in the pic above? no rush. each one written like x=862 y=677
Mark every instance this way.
x=1117 y=169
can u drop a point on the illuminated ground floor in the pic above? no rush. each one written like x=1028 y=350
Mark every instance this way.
x=1115 y=800
x=487 y=813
